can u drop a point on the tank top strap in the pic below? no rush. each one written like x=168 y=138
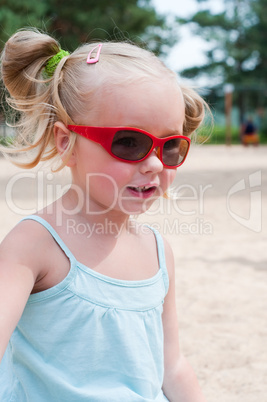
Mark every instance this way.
x=53 y=233
x=161 y=257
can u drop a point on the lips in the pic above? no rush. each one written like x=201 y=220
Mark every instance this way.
x=143 y=191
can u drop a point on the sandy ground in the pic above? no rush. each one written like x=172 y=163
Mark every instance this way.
x=217 y=226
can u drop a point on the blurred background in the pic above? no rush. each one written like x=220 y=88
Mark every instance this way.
x=216 y=45
x=216 y=222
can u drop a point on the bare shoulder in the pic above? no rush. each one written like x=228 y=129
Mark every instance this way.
x=30 y=245
x=25 y=245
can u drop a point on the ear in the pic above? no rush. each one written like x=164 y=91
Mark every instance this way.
x=62 y=138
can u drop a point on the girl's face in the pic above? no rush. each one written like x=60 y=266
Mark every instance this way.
x=130 y=188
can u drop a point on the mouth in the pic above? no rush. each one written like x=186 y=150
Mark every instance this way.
x=142 y=191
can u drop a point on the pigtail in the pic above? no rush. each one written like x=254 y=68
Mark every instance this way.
x=23 y=57
x=195 y=110
x=30 y=94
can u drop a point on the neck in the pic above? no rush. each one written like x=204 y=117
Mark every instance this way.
x=104 y=221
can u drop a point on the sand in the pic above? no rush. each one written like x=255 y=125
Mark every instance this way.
x=218 y=230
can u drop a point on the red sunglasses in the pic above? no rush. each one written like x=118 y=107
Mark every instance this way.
x=134 y=145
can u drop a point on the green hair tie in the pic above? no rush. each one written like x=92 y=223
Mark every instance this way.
x=52 y=63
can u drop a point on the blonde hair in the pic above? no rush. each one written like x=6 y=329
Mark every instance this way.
x=39 y=102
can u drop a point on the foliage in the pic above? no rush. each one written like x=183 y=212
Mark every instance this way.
x=238 y=53
x=79 y=21
x=218 y=136
x=18 y=14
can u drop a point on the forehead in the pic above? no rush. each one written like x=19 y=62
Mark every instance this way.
x=148 y=105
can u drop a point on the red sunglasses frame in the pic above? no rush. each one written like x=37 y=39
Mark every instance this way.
x=104 y=136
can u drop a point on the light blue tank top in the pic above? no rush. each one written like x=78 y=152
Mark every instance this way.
x=90 y=338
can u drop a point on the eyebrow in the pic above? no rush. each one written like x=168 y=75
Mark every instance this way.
x=169 y=133
x=172 y=132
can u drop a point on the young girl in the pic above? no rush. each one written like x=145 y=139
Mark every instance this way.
x=93 y=318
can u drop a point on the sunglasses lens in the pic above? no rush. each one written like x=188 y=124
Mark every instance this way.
x=131 y=145
x=175 y=151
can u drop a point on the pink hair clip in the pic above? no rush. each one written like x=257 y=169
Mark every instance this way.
x=93 y=60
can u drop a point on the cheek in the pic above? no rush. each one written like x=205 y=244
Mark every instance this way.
x=120 y=172
x=111 y=178
x=102 y=187
x=169 y=176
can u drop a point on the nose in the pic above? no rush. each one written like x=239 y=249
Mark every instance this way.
x=152 y=164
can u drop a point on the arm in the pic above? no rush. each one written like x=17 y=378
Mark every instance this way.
x=180 y=383
x=16 y=282
x=17 y=277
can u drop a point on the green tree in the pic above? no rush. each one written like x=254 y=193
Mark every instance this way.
x=18 y=14
x=237 y=53
x=75 y=22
